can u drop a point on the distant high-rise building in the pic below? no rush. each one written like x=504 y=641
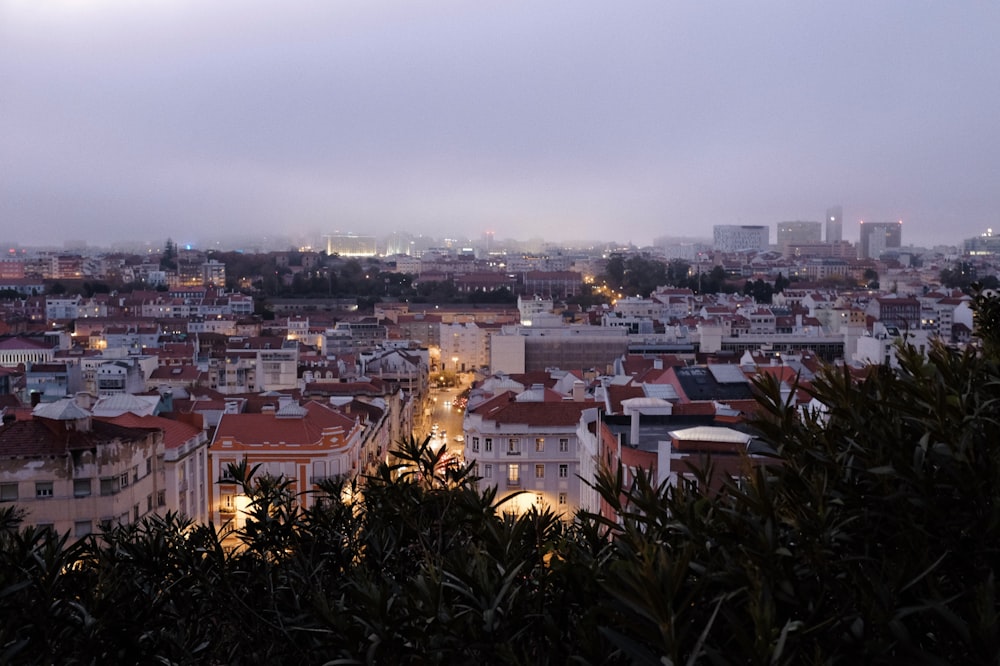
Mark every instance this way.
x=985 y=243
x=740 y=237
x=398 y=242
x=876 y=237
x=350 y=245
x=834 y=224
x=798 y=233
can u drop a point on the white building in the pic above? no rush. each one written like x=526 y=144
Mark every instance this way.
x=530 y=443
x=740 y=237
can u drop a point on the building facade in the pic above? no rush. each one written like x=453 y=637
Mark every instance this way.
x=877 y=237
x=740 y=237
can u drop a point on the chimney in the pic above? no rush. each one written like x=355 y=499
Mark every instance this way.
x=578 y=391
x=634 y=432
x=658 y=363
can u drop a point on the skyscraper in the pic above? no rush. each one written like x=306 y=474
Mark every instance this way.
x=834 y=224
x=740 y=237
x=790 y=233
x=876 y=237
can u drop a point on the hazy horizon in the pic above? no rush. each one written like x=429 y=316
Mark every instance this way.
x=127 y=121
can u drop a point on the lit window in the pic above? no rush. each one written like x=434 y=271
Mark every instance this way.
x=540 y=444
x=513 y=475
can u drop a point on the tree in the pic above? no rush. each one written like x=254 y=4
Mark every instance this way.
x=780 y=283
x=168 y=259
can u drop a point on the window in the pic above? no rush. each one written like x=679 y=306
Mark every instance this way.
x=135 y=474
x=123 y=480
x=563 y=471
x=513 y=446
x=488 y=445
x=82 y=487
x=539 y=499
x=562 y=499
x=110 y=486
x=539 y=471
x=225 y=473
x=8 y=492
x=563 y=444
x=539 y=444
x=135 y=511
x=82 y=528
x=149 y=502
x=161 y=498
x=149 y=466
x=513 y=475
x=43 y=489
x=488 y=471
x=475 y=444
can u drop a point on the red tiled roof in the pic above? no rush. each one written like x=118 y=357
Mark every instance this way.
x=619 y=392
x=565 y=413
x=39 y=437
x=268 y=427
x=175 y=433
x=18 y=342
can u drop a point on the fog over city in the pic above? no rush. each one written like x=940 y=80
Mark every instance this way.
x=572 y=119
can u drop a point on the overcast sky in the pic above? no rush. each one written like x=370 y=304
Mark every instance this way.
x=142 y=119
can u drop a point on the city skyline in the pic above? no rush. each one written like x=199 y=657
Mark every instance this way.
x=566 y=121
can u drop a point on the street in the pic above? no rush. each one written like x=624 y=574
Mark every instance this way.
x=447 y=417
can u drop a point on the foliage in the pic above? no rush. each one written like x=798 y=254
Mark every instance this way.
x=872 y=535
x=168 y=258
x=762 y=292
x=986 y=306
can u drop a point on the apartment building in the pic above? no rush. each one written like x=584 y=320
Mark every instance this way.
x=529 y=442
x=304 y=443
x=75 y=472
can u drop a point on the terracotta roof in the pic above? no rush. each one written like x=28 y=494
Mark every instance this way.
x=268 y=427
x=18 y=342
x=536 y=413
x=617 y=393
x=176 y=372
x=175 y=433
x=40 y=437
